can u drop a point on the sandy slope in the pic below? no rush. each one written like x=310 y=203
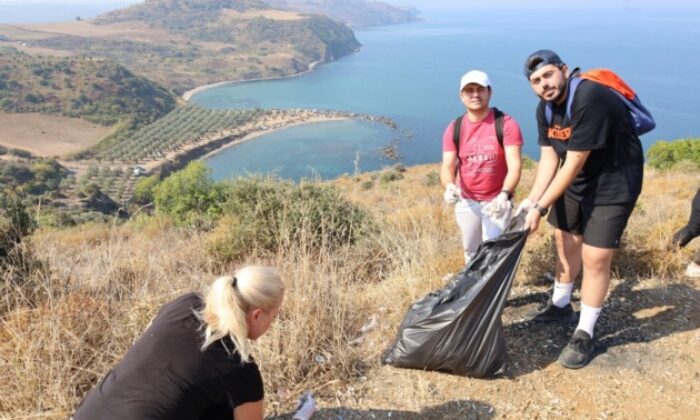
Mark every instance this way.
x=48 y=135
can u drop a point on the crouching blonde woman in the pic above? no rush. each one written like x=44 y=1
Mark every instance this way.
x=193 y=361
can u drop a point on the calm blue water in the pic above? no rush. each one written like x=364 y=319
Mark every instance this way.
x=410 y=73
x=311 y=150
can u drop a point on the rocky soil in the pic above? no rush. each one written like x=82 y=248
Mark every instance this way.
x=647 y=366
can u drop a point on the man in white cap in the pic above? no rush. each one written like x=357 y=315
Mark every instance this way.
x=480 y=164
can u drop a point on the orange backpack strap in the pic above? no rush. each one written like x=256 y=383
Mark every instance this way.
x=608 y=78
x=641 y=119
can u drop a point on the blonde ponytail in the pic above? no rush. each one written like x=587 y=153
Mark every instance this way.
x=230 y=298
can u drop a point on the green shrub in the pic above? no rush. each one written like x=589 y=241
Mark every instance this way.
x=144 y=190
x=94 y=199
x=19 y=268
x=665 y=154
x=390 y=175
x=15 y=174
x=189 y=196
x=35 y=177
x=268 y=214
x=367 y=184
x=89 y=190
x=431 y=179
x=55 y=219
x=20 y=153
x=15 y=223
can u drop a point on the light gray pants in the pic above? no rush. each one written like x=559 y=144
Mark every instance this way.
x=477 y=226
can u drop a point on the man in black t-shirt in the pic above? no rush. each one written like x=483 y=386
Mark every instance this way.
x=590 y=172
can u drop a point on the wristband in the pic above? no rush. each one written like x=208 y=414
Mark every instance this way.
x=508 y=193
x=542 y=210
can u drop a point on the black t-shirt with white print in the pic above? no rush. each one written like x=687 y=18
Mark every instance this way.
x=165 y=375
x=600 y=122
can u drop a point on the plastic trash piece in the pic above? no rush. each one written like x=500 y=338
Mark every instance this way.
x=306 y=407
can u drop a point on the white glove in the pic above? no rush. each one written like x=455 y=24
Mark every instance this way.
x=525 y=206
x=452 y=194
x=498 y=207
x=306 y=407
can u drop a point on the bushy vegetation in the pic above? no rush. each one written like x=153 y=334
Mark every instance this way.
x=315 y=36
x=93 y=198
x=18 y=265
x=258 y=214
x=99 y=91
x=431 y=179
x=15 y=224
x=266 y=214
x=391 y=174
x=190 y=196
x=667 y=154
x=144 y=190
x=35 y=177
x=254 y=46
x=357 y=13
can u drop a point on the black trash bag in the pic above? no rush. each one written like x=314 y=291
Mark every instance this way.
x=457 y=329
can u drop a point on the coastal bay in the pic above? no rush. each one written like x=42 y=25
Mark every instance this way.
x=410 y=73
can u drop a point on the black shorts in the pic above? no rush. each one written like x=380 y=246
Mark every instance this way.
x=600 y=226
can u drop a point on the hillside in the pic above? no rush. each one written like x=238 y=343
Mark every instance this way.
x=354 y=13
x=99 y=91
x=91 y=290
x=182 y=44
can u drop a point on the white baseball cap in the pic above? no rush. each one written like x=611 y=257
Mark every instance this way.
x=474 y=76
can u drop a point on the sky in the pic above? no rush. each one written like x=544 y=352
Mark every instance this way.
x=455 y=3
x=69 y=2
x=39 y=11
x=546 y=4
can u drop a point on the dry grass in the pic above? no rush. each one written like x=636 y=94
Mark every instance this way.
x=49 y=135
x=102 y=285
x=135 y=31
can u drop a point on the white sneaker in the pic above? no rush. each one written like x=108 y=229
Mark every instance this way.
x=693 y=270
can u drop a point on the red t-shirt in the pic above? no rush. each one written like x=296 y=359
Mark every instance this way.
x=482 y=161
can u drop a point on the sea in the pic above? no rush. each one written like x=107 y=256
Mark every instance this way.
x=411 y=72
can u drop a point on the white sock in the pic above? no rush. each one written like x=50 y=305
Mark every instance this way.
x=562 y=294
x=589 y=316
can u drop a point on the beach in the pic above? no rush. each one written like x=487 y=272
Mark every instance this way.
x=188 y=95
x=229 y=138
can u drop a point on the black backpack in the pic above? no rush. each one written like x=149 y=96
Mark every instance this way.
x=499 y=129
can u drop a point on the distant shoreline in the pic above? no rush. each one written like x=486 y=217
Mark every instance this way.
x=176 y=159
x=188 y=95
x=259 y=133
